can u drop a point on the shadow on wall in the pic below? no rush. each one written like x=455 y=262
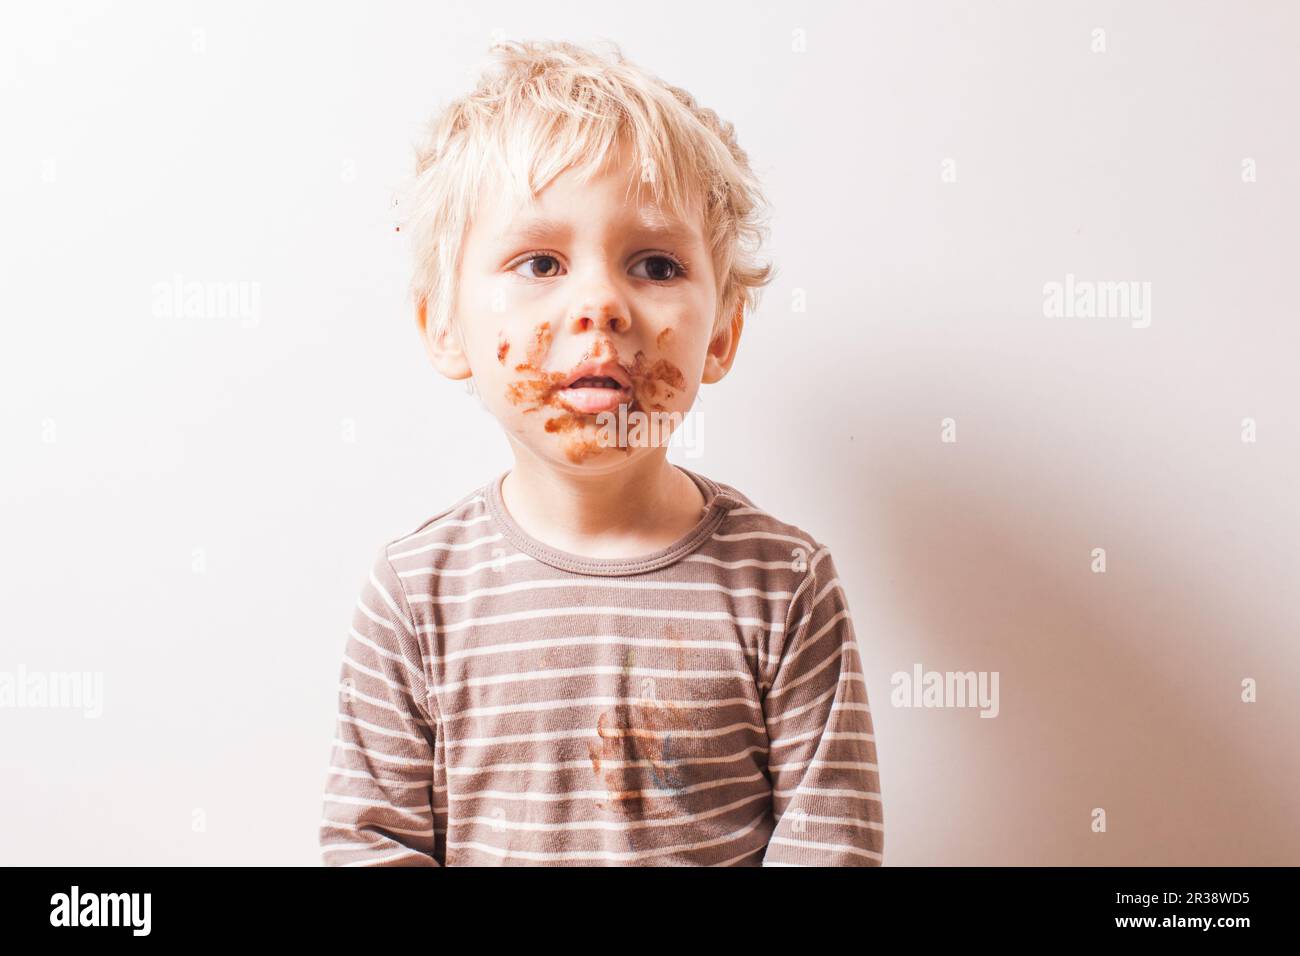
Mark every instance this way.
x=1119 y=690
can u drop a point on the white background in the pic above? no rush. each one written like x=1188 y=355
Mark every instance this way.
x=263 y=144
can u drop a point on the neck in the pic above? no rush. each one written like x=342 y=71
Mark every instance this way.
x=645 y=501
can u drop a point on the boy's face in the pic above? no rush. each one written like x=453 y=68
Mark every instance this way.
x=585 y=282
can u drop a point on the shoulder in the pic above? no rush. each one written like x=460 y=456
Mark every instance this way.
x=763 y=549
x=748 y=521
x=811 y=577
x=454 y=527
x=405 y=564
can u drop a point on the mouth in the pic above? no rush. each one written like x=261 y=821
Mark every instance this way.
x=596 y=387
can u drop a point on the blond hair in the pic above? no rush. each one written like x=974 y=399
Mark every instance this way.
x=555 y=105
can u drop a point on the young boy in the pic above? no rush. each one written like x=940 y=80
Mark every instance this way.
x=597 y=658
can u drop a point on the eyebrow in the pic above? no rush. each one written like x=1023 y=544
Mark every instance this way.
x=536 y=230
x=668 y=231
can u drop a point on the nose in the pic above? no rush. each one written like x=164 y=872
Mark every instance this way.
x=587 y=319
x=599 y=306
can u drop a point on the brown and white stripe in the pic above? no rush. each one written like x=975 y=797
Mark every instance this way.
x=504 y=703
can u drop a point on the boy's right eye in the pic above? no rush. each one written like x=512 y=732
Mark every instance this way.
x=540 y=266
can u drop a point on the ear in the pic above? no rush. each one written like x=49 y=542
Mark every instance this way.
x=443 y=347
x=722 y=350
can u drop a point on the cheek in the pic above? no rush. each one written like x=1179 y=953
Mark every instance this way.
x=659 y=384
x=497 y=345
x=527 y=385
x=677 y=360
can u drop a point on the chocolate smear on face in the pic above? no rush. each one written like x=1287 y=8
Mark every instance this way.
x=537 y=388
x=654 y=383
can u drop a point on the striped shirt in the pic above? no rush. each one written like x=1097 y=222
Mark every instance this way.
x=502 y=702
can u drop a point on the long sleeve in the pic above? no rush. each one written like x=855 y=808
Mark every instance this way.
x=822 y=760
x=379 y=789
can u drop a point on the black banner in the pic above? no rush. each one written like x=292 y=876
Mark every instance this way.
x=218 y=905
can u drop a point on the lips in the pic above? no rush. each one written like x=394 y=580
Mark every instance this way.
x=595 y=387
x=610 y=369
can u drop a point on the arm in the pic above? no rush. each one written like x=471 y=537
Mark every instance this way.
x=379 y=789
x=822 y=757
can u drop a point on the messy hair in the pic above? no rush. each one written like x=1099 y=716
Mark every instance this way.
x=550 y=106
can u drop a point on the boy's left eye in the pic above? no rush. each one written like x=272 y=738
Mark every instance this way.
x=664 y=268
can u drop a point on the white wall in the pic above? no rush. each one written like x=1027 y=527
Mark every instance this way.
x=262 y=145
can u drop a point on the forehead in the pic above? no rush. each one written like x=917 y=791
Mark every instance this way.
x=612 y=198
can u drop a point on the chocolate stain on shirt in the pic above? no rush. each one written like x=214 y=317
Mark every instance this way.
x=638 y=735
x=643 y=731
